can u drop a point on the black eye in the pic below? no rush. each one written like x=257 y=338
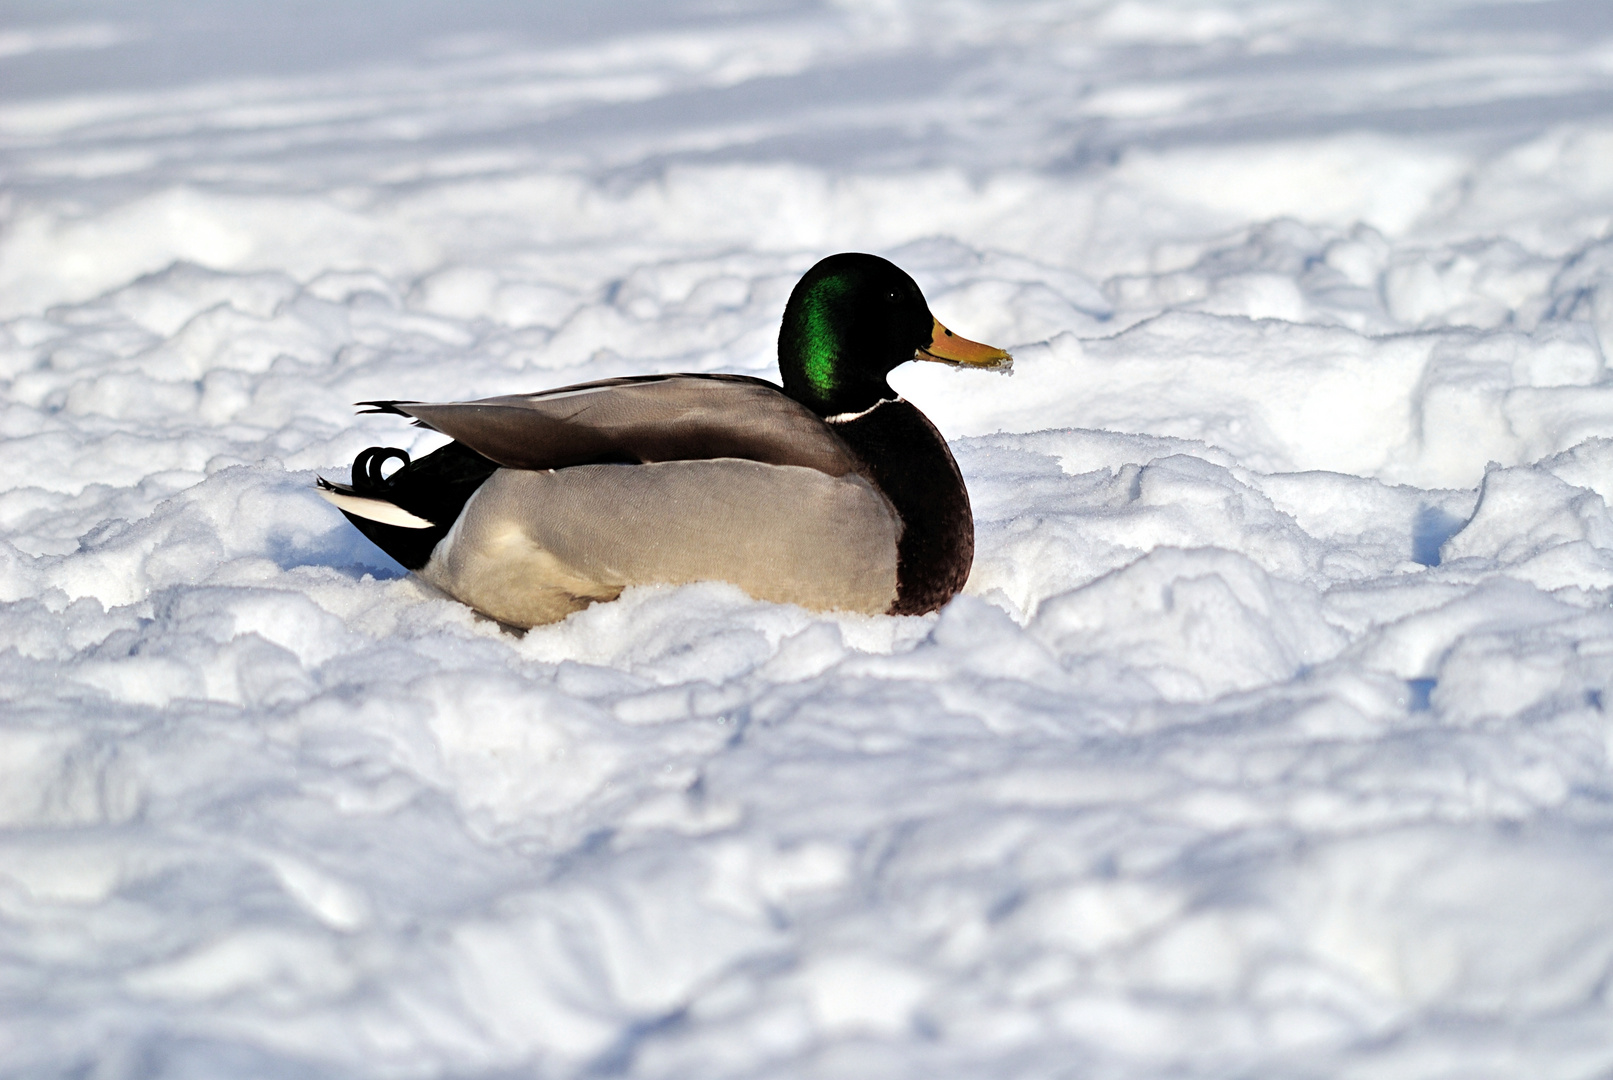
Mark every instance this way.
x=891 y=297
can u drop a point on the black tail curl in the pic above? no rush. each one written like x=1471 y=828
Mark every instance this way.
x=367 y=474
x=434 y=487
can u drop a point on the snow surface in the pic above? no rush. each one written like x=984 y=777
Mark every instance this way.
x=1268 y=740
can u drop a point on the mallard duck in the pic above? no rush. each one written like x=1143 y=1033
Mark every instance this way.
x=831 y=492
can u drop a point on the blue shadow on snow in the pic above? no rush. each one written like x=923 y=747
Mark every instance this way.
x=1429 y=531
x=1418 y=693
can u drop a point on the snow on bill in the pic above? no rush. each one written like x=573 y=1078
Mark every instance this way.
x=1269 y=737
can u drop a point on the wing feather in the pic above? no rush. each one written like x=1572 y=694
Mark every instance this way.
x=647 y=419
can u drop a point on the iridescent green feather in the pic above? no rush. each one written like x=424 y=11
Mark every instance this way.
x=822 y=344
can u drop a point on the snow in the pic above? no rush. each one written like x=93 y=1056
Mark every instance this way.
x=1269 y=738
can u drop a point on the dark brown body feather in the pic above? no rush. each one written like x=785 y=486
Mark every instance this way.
x=910 y=462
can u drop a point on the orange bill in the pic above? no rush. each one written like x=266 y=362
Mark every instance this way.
x=948 y=348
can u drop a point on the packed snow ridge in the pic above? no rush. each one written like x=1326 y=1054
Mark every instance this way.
x=1269 y=739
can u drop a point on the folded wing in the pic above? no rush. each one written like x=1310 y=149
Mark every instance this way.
x=639 y=420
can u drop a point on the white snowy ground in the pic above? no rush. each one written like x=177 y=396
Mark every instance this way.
x=1268 y=740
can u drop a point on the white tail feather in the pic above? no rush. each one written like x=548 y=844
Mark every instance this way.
x=375 y=510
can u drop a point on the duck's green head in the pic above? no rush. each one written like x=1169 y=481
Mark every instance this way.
x=853 y=318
